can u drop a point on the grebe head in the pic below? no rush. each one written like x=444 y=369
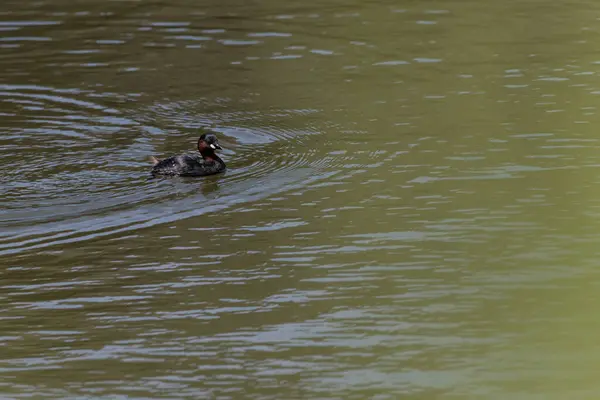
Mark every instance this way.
x=208 y=143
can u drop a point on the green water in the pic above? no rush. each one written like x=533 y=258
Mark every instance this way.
x=410 y=209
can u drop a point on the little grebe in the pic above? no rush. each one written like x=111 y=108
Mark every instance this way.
x=191 y=164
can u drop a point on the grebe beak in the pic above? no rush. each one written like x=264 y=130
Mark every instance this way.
x=215 y=147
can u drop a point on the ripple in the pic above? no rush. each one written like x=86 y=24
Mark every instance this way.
x=91 y=188
x=86 y=186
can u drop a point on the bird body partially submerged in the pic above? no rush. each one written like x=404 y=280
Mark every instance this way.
x=206 y=163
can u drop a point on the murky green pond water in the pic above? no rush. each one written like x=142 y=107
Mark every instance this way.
x=411 y=208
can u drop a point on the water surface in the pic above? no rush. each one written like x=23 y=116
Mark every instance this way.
x=410 y=209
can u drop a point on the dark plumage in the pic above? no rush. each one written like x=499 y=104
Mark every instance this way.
x=206 y=163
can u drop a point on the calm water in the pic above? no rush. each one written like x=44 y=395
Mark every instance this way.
x=411 y=208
